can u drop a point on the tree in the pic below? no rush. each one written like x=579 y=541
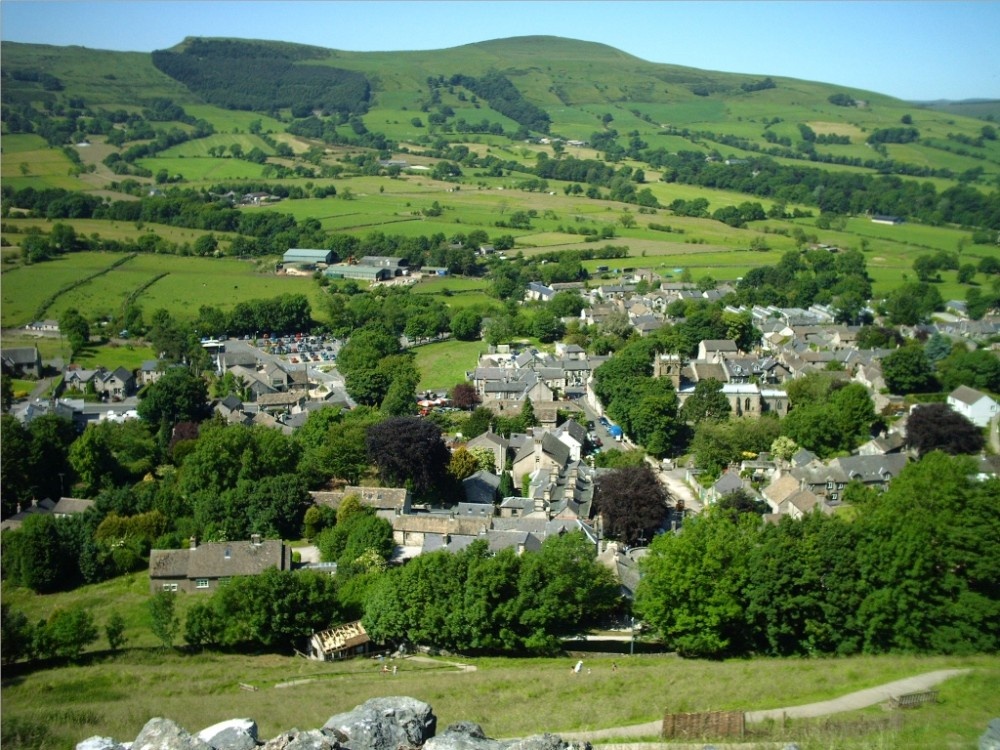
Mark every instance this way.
x=67 y=632
x=16 y=634
x=527 y=417
x=114 y=631
x=546 y=326
x=707 y=402
x=466 y=324
x=937 y=427
x=806 y=587
x=15 y=447
x=6 y=393
x=907 y=370
x=464 y=396
x=979 y=369
x=693 y=588
x=109 y=454
x=75 y=328
x=163 y=617
x=742 y=501
x=269 y=610
x=463 y=464
x=478 y=422
x=632 y=504
x=928 y=563
x=178 y=396
x=408 y=449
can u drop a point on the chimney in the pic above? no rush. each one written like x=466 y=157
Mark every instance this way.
x=255 y=540
x=194 y=542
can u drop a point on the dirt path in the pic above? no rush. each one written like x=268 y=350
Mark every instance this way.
x=849 y=702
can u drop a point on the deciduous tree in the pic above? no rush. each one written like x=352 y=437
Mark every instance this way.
x=937 y=427
x=408 y=449
x=632 y=504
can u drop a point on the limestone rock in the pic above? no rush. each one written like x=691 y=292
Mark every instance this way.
x=546 y=742
x=463 y=735
x=384 y=724
x=99 y=743
x=235 y=734
x=991 y=738
x=164 y=734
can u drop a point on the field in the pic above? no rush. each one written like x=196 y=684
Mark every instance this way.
x=188 y=284
x=445 y=363
x=114 y=695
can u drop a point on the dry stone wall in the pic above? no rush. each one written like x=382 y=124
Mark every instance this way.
x=396 y=723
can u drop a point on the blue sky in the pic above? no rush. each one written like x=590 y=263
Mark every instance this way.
x=912 y=50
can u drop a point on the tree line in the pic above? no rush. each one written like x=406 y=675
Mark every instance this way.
x=914 y=572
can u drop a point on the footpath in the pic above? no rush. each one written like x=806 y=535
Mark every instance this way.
x=849 y=702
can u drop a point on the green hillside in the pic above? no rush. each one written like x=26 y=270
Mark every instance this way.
x=586 y=143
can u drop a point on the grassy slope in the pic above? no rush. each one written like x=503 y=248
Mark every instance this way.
x=116 y=695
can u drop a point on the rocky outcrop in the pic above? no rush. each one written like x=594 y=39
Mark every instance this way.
x=991 y=738
x=398 y=723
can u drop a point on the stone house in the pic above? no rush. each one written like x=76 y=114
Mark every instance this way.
x=207 y=566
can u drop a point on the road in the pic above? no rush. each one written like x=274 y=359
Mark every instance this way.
x=673 y=480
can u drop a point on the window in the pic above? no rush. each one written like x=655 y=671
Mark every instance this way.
x=170 y=587
x=229 y=552
x=224 y=581
x=201 y=583
x=829 y=485
x=833 y=495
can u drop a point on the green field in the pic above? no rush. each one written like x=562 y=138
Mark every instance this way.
x=196 y=169
x=189 y=283
x=445 y=363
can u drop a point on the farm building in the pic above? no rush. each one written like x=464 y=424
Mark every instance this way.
x=349 y=639
x=891 y=220
x=307 y=255
x=362 y=273
x=434 y=271
x=398 y=266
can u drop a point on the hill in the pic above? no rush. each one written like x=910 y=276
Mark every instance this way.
x=710 y=173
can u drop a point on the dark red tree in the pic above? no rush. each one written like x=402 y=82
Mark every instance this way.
x=937 y=427
x=408 y=449
x=464 y=396
x=632 y=503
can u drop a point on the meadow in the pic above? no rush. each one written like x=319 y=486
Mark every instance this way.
x=185 y=284
x=56 y=705
x=445 y=363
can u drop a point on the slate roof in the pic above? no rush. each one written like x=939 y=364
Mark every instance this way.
x=220 y=559
x=967 y=395
x=481 y=487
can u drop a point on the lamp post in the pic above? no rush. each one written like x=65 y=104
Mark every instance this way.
x=631 y=647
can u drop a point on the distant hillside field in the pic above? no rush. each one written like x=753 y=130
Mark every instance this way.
x=556 y=143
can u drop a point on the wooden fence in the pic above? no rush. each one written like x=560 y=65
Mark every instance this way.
x=700 y=725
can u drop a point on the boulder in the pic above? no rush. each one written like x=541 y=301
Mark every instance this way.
x=463 y=735
x=991 y=738
x=384 y=724
x=235 y=734
x=99 y=743
x=546 y=742
x=164 y=734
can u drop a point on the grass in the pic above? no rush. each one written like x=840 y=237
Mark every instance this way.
x=443 y=364
x=115 y=695
x=188 y=284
